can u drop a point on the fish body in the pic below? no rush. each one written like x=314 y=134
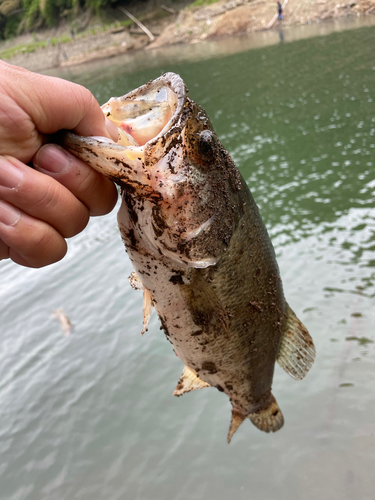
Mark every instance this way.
x=201 y=252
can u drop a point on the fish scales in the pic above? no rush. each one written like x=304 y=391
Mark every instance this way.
x=201 y=252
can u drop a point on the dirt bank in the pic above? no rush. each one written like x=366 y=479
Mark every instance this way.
x=78 y=51
x=245 y=16
x=191 y=25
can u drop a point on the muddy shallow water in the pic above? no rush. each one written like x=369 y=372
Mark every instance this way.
x=91 y=416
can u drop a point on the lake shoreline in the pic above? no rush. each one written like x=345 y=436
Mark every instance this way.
x=214 y=22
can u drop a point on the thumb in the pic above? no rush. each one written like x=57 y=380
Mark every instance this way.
x=54 y=104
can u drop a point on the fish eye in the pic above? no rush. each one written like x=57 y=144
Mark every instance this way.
x=206 y=145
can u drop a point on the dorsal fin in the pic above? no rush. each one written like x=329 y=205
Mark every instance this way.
x=296 y=351
x=189 y=381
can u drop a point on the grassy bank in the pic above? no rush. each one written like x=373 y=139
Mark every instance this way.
x=72 y=24
x=18 y=17
x=32 y=46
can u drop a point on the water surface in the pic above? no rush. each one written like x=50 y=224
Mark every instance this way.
x=91 y=416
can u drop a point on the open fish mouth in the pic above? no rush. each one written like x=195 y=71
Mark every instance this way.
x=144 y=115
x=147 y=119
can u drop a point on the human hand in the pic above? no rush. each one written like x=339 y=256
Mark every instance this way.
x=41 y=207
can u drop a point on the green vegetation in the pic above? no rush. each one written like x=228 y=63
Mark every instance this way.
x=7 y=53
x=31 y=47
x=201 y=3
x=19 y=16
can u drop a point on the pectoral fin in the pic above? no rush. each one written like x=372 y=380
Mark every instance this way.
x=297 y=351
x=147 y=308
x=189 y=381
x=137 y=284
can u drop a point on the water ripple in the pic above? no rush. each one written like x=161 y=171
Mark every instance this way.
x=92 y=416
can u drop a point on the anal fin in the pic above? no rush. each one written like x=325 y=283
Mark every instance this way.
x=297 y=351
x=189 y=381
x=235 y=422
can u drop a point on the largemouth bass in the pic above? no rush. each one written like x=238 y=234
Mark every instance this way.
x=200 y=250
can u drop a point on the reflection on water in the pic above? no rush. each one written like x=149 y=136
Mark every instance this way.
x=107 y=69
x=91 y=416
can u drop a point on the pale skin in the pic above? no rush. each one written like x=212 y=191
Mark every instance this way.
x=42 y=206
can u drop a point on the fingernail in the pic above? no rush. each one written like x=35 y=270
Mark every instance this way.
x=52 y=158
x=10 y=175
x=9 y=215
x=111 y=129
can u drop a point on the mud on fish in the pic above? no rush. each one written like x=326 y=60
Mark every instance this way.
x=200 y=250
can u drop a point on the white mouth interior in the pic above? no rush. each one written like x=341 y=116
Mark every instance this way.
x=143 y=117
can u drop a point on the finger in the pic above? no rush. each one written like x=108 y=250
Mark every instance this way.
x=4 y=250
x=42 y=197
x=30 y=242
x=54 y=104
x=97 y=192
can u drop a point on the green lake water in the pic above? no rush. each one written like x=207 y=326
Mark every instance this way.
x=92 y=416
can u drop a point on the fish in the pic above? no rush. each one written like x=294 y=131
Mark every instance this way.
x=64 y=321
x=200 y=250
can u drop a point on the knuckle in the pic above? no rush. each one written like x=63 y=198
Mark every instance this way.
x=83 y=97
x=49 y=197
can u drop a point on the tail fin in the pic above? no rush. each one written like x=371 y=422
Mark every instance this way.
x=269 y=420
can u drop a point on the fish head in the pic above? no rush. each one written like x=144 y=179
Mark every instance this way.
x=177 y=180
